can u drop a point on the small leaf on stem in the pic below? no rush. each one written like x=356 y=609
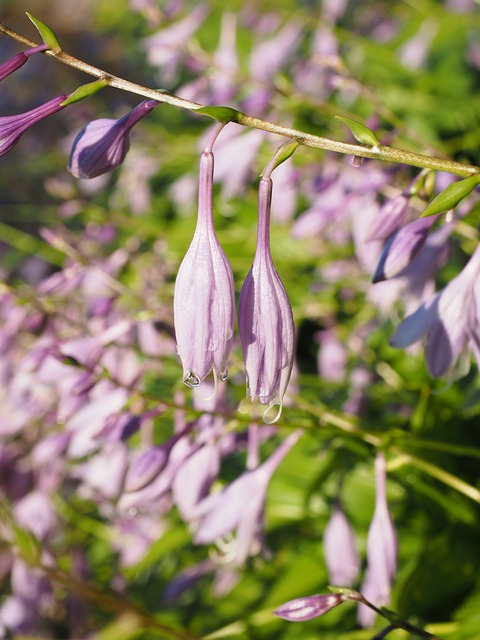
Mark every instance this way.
x=85 y=91
x=48 y=36
x=452 y=195
x=222 y=114
x=360 y=132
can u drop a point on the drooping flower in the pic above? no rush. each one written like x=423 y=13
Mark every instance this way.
x=204 y=305
x=390 y=218
x=402 y=247
x=340 y=551
x=265 y=319
x=240 y=507
x=13 y=127
x=309 y=607
x=381 y=549
x=449 y=321
x=18 y=60
x=102 y=145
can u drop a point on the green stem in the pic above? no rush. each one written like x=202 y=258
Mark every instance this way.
x=380 y=152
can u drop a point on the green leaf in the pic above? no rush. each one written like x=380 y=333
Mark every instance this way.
x=85 y=91
x=361 y=133
x=283 y=153
x=48 y=36
x=222 y=114
x=452 y=195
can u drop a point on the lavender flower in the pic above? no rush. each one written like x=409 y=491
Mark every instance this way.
x=381 y=549
x=307 y=608
x=18 y=60
x=240 y=506
x=265 y=319
x=204 y=306
x=341 y=555
x=402 y=247
x=102 y=145
x=448 y=321
x=390 y=218
x=13 y=127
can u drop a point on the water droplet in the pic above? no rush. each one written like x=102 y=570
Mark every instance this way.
x=223 y=374
x=191 y=380
x=275 y=403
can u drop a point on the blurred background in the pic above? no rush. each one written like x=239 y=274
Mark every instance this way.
x=407 y=69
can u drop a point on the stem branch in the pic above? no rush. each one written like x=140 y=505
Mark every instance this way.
x=380 y=152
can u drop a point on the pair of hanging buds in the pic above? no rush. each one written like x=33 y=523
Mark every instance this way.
x=204 y=301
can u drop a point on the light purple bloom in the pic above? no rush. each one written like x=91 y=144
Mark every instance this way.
x=331 y=357
x=270 y=56
x=390 y=218
x=402 y=247
x=204 y=304
x=146 y=467
x=381 y=549
x=449 y=321
x=309 y=607
x=18 y=61
x=166 y=48
x=240 y=507
x=102 y=145
x=340 y=551
x=265 y=319
x=13 y=127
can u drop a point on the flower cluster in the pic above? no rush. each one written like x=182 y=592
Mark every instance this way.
x=204 y=305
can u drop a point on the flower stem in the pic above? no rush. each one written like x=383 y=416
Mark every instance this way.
x=380 y=152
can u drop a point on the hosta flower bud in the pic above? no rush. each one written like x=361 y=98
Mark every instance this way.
x=13 y=127
x=204 y=303
x=381 y=549
x=309 y=607
x=340 y=550
x=265 y=319
x=18 y=61
x=102 y=145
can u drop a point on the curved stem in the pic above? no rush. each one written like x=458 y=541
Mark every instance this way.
x=384 y=153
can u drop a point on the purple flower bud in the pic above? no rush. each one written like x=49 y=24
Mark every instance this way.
x=381 y=549
x=265 y=319
x=303 y=609
x=13 y=127
x=102 y=145
x=340 y=551
x=204 y=305
x=18 y=61
x=402 y=247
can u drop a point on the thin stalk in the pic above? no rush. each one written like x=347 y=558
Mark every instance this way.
x=380 y=152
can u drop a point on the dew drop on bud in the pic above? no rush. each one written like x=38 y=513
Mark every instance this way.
x=274 y=404
x=191 y=380
x=223 y=375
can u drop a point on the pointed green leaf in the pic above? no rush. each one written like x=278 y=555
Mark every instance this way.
x=222 y=114
x=85 y=91
x=48 y=36
x=361 y=133
x=284 y=152
x=452 y=195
